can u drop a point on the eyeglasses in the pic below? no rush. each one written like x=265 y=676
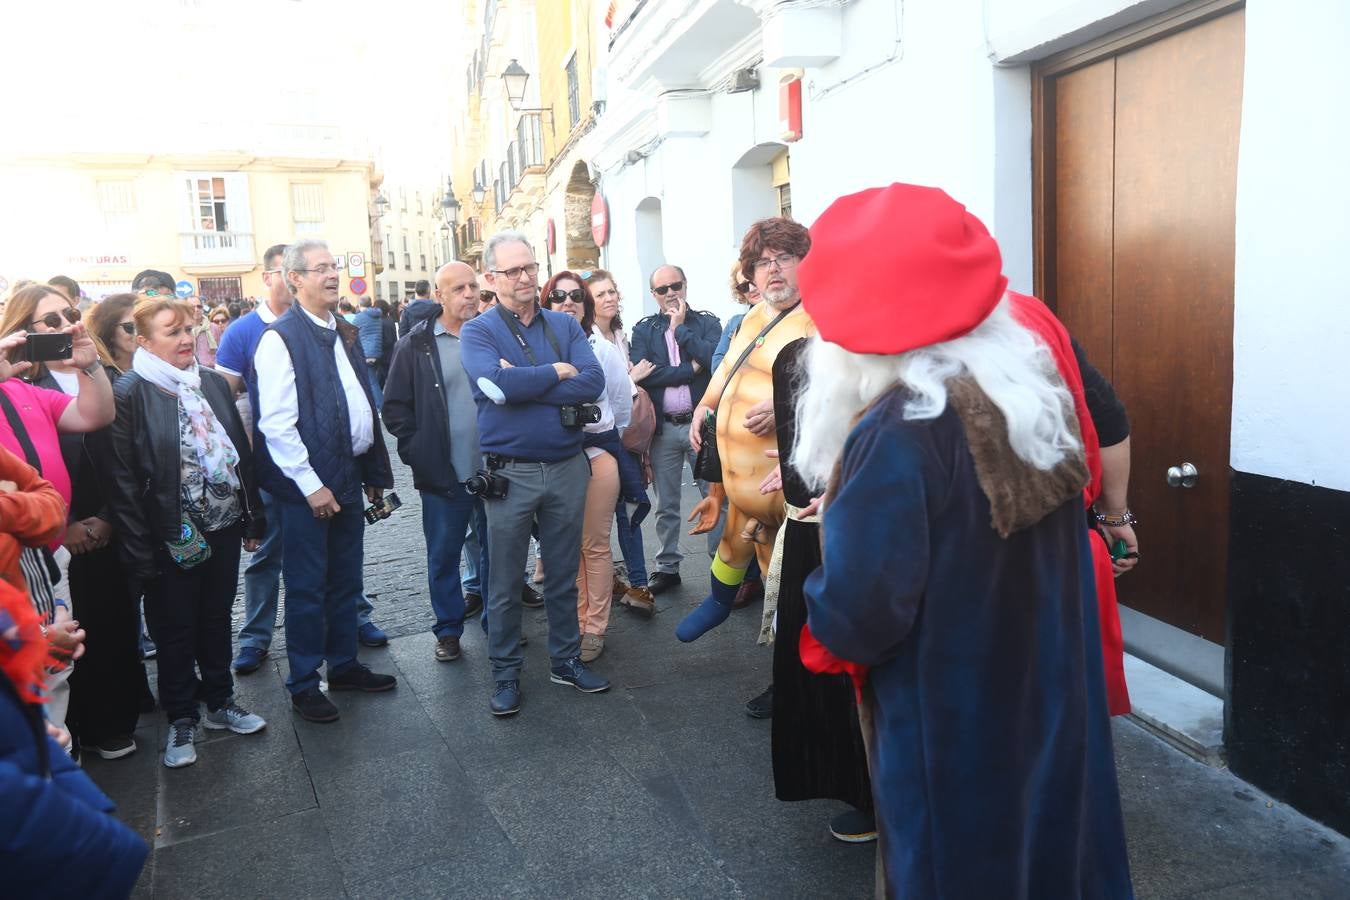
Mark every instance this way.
x=515 y=272
x=325 y=269
x=53 y=320
x=673 y=286
x=743 y=287
x=128 y=327
x=558 y=295
x=157 y=292
x=271 y=271
x=783 y=261
x=486 y=296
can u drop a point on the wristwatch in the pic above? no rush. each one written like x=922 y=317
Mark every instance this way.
x=93 y=368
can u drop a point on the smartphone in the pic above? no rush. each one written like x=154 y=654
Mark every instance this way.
x=48 y=346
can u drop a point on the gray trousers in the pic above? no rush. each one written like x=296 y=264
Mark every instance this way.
x=554 y=495
x=670 y=453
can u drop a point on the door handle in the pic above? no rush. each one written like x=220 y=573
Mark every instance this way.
x=1182 y=476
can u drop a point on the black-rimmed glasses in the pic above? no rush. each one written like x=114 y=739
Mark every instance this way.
x=515 y=272
x=782 y=261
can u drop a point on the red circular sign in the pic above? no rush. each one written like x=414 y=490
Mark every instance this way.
x=599 y=219
x=358 y=286
x=551 y=239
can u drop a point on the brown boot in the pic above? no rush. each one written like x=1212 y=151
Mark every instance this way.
x=620 y=588
x=750 y=592
x=640 y=600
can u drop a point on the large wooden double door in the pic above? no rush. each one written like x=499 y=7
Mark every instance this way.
x=1136 y=162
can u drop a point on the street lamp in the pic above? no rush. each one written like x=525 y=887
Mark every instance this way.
x=479 y=191
x=381 y=204
x=515 y=77
x=449 y=205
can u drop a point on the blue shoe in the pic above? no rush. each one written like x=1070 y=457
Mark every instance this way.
x=370 y=635
x=705 y=617
x=506 y=698
x=575 y=673
x=249 y=660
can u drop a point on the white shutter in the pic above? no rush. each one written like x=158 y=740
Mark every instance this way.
x=237 y=209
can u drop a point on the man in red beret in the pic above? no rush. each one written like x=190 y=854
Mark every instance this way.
x=945 y=417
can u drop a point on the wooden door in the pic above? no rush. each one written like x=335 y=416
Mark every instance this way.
x=1138 y=262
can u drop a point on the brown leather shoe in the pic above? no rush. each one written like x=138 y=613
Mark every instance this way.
x=639 y=600
x=620 y=587
x=447 y=649
x=750 y=592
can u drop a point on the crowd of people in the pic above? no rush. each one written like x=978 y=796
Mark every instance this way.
x=913 y=468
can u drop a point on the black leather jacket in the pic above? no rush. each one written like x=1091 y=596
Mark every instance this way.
x=144 y=472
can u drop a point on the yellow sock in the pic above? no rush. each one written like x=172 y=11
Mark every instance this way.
x=727 y=573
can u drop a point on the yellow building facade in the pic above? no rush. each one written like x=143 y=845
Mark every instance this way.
x=204 y=218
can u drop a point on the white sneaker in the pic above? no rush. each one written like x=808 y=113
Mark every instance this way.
x=235 y=718
x=179 y=750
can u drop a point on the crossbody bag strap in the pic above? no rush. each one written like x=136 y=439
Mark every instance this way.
x=510 y=321
x=749 y=348
x=20 y=432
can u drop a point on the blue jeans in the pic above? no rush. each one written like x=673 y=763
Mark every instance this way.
x=262 y=580
x=445 y=520
x=474 y=550
x=321 y=561
x=629 y=537
x=376 y=391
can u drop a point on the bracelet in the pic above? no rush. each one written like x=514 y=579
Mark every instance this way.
x=1125 y=518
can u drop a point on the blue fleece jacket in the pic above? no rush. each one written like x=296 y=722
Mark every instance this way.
x=527 y=426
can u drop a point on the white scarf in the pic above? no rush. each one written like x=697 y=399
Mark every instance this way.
x=215 y=451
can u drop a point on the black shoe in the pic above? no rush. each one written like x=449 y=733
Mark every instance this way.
x=313 y=706
x=505 y=698
x=360 y=678
x=663 y=581
x=473 y=604
x=762 y=706
x=530 y=598
x=854 y=827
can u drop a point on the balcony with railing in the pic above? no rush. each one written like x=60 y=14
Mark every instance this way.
x=216 y=249
x=672 y=44
x=525 y=163
x=470 y=239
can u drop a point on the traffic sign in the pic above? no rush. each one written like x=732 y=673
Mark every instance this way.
x=357 y=286
x=183 y=289
x=356 y=265
x=340 y=260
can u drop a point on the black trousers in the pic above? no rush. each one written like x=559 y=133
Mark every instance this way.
x=188 y=611
x=107 y=682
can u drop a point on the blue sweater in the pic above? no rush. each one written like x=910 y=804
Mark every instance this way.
x=526 y=426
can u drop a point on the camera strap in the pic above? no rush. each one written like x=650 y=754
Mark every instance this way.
x=510 y=320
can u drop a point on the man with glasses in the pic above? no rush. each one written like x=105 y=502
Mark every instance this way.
x=234 y=360
x=317 y=445
x=672 y=359
x=535 y=379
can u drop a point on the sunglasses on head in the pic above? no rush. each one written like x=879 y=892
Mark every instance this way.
x=558 y=295
x=743 y=287
x=673 y=286
x=128 y=327
x=54 y=320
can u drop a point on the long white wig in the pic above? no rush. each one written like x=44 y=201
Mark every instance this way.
x=1006 y=360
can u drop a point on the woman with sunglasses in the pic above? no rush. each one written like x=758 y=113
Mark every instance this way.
x=613 y=473
x=743 y=291
x=76 y=400
x=113 y=329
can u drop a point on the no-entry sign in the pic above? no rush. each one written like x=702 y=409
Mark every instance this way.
x=358 y=286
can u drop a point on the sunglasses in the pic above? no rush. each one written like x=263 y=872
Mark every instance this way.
x=158 y=292
x=53 y=320
x=128 y=327
x=558 y=295
x=673 y=286
x=743 y=287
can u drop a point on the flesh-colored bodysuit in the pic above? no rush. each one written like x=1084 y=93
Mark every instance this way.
x=744 y=465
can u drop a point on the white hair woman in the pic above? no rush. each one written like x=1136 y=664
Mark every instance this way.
x=944 y=420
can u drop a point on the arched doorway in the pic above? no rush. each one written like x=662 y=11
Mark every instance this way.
x=579 y=246
x=651 y=250
x=759 y=187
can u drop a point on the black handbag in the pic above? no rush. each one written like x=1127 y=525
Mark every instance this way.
x=708 y=462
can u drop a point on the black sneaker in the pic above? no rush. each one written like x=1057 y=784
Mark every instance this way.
x=854 y=827
x=360 y=678
x=663 y=581
x=762 y=706
x=313 y=706
x=530 y=598
x=115 y=747
x=473 y=604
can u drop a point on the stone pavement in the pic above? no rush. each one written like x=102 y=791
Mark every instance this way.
x=660 y=788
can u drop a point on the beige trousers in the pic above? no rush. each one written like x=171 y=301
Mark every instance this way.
x=595 y=577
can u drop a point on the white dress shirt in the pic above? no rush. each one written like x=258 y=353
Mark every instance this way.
x=278 y=410
x=616 y=402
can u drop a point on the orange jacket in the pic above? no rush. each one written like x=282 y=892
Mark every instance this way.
x=31 y=515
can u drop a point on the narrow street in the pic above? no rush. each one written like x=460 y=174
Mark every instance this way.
x=662 y=787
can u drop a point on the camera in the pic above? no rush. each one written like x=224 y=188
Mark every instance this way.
x=575 y=415
x=382 y=507
x=44 y=346
x=487 y=485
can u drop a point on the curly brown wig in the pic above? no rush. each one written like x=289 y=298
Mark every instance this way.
x=782 y=235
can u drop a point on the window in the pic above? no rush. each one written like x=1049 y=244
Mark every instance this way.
x=208 y=204
x=389 y=246
x=410 y=288
x=117 y=202
x=307 y=208
x=573 y=93
x=402 y=200
x=393 y=291
x=418 y=196
x=785 y=200
x=379 y=290
x=422 y=248
x=407 y=257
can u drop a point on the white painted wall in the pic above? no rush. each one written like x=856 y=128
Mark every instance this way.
x=1291 y=330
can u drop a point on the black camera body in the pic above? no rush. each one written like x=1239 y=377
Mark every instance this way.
x=486 y=484
x=575 y=415
x=381 y=509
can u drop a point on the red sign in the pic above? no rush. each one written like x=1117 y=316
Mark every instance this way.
x=790 y=108
x=551 y=237
x=599 y=219
x=357 y=286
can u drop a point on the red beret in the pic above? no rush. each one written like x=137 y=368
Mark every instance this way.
x=900 y=267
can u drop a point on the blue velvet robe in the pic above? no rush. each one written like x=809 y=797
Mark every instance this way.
x=991 y=757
